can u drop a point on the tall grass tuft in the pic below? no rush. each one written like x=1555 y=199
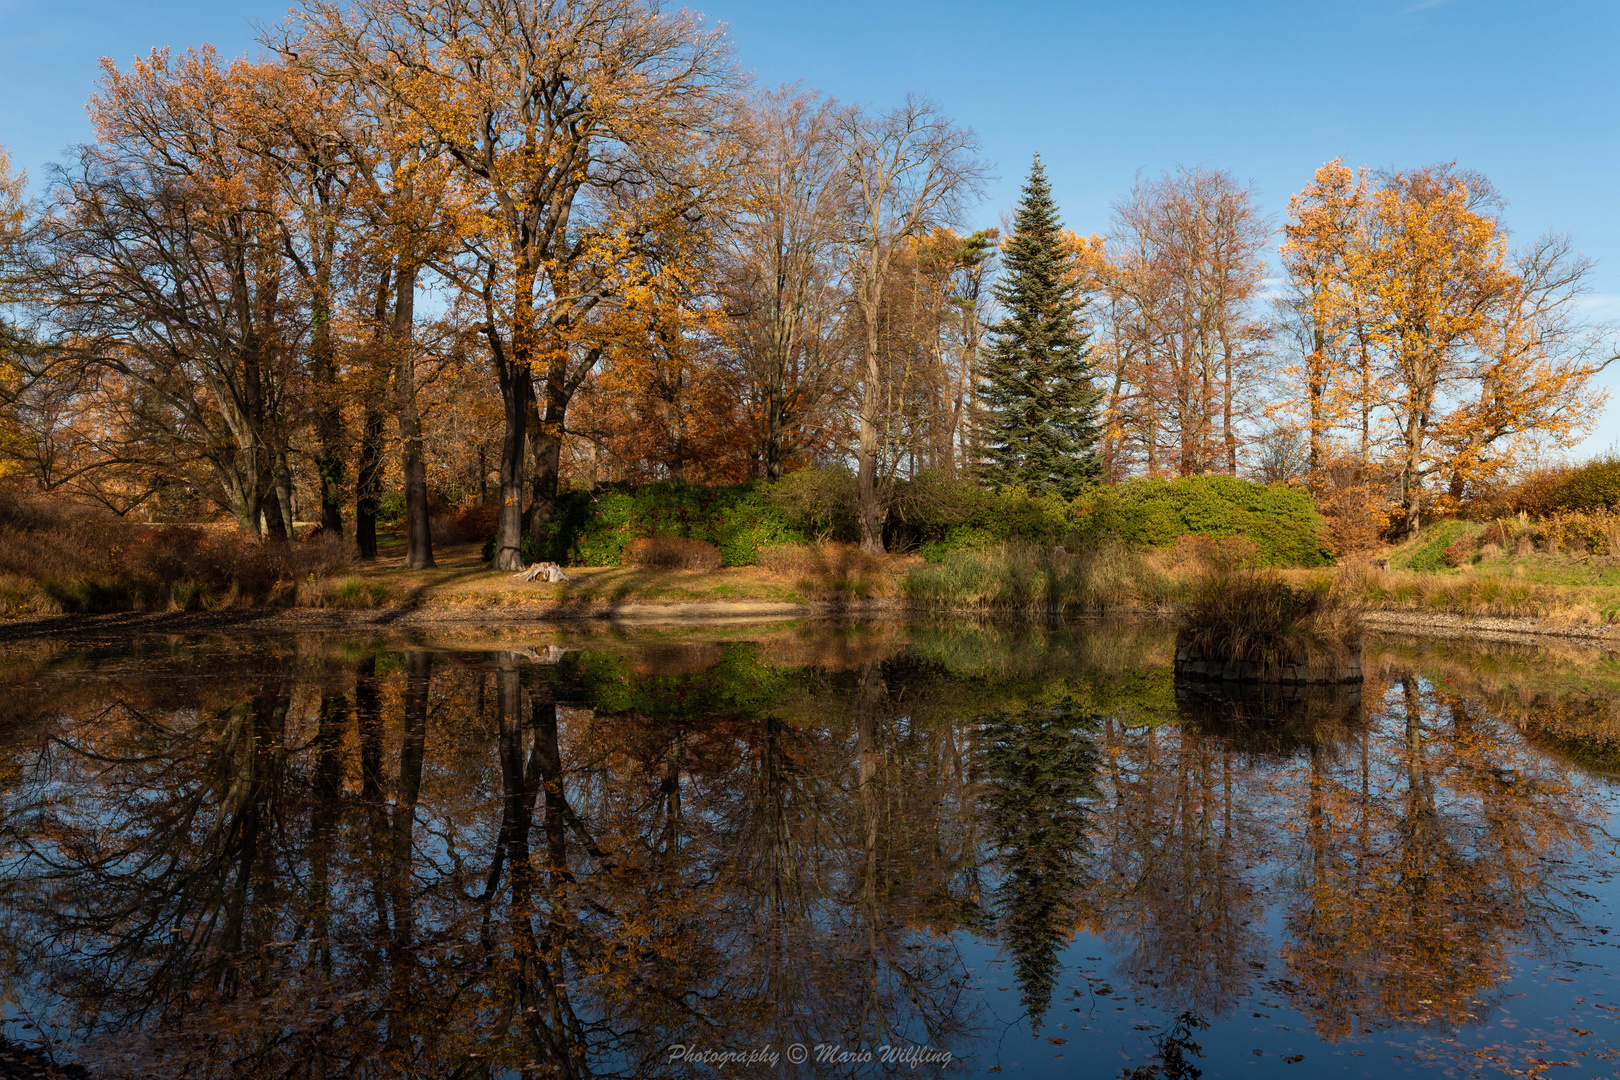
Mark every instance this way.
x=830 y=571
x=1252 y=619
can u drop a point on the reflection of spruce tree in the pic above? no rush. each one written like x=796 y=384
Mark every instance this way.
x=1042 y=768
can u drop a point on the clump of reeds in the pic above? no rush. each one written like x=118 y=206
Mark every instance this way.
x=1250 y=617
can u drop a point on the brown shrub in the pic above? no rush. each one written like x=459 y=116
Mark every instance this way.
x=671 y=553
x=471 y=523
x=1356 y=516
x=1257 y=617
x=56 y=555
x=1537 y=494
x=1461 y=551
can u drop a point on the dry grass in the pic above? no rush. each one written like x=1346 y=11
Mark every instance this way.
x=1479 y=594
x=834 y=571
x=1044 y=581
x=1248 y=616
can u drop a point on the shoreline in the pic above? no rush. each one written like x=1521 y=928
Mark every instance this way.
x=1403 y=622
x=294 y=619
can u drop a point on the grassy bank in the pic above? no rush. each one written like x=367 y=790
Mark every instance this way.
x=1561 y=570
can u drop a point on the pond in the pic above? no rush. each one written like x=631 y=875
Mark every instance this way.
x=804 y=850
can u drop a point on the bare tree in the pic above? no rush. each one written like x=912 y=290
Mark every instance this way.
x=783 y=288
x=1189 y=268
x=910 y=169
x=164 y=267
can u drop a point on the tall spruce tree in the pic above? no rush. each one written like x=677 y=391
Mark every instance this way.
x=1042 y=430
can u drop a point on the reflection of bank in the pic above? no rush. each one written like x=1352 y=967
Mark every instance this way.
x=1271 y=717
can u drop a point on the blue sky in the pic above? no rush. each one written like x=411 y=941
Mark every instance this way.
x=1524 y=92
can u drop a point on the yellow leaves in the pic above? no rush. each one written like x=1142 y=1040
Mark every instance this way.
x=1415 y=320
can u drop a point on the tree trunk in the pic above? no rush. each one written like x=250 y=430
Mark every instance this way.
x=284 y=492
x=1317 y=386
x=871 y=509
x=368 y=477
x=418 y=531
x=1227 y=433
x=547 y=460
x=329 y=418
x=775 y=434
x=275 y=525
x=515 y=395
x=1412 y=477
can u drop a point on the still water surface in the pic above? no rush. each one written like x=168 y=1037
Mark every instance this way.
x=908 y=851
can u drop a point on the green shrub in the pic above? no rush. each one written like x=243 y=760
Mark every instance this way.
x=931 y=512
x=824 y=504
x=1280 y=520
x=1592 y=486
x=591 y=528
x=1428 y=555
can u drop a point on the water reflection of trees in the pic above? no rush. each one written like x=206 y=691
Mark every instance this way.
x=1409 y=848
x=1426 y=849
x=472 y=863
x=301 y=860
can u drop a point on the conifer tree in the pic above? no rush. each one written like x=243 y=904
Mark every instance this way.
x=1042 y=431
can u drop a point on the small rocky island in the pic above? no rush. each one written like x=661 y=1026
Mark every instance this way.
x=1253 y=627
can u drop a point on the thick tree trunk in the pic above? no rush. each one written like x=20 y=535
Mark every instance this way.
x=775 y=433
x=275 y=525
x=284 y=492
x=515 y=394
x=418 y=529
x=559 y=391
x=547 y=462
x=368 y=478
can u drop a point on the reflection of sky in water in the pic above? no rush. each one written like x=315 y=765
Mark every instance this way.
x=807 y=835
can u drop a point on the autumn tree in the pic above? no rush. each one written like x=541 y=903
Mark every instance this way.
x=662 y=406
x=585 y=132
x=13 y=275
x=1433 y=264
x=1041 y=429
x=931 y=329
x=910 y=169
x=301 y=134
x=166 y=270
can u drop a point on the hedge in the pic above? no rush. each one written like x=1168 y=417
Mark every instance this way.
x=931 y=512
x=1280 y=520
